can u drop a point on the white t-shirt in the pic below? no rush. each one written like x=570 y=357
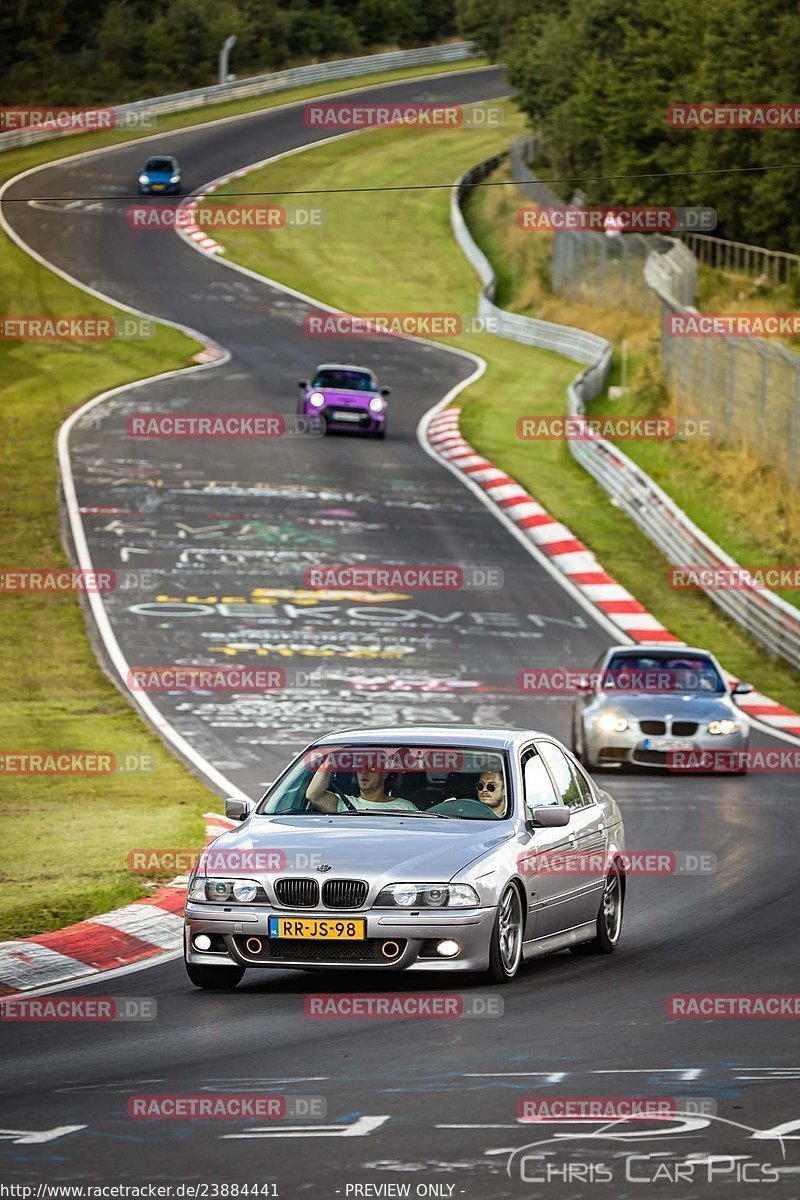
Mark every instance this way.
x=394 y=804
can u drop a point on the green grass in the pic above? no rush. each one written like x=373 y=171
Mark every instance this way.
x=66 y=839
x=415 y=265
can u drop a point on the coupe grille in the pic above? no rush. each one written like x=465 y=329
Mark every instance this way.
x=297 y=893
x=684 y=728
x=344 y=893
x=654 y=727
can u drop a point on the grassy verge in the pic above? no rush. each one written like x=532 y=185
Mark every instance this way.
x=415 y=265
x=66 y=838
x=729 y=492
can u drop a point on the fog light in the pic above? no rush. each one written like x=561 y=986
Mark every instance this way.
x=448 y=949
x=202 y=942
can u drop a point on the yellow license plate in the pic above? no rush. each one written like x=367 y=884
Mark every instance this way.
x=318 y=928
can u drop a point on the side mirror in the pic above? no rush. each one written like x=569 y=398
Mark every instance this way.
x=386 y=391
x=237 y=810
x=583 y=684
x=550 y=816
x=303 y=383
x=741 y=689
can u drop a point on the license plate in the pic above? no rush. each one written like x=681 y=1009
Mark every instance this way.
x=317 y=929
x=654 y=743
x=346 y=416
x=158 y=187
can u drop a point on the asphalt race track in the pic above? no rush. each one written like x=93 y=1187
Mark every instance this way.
x=228 y=525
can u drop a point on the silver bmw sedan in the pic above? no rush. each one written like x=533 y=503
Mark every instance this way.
x=424 y=848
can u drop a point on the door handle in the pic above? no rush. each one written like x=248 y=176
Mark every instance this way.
x=573 y=839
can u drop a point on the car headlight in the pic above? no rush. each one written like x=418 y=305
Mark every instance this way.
x=611 y=723
x=175 y=179
x=428 y=895
x=317 y=399
x=724 y=727
x=144 y=179
x=377 y=404
x=223 y=891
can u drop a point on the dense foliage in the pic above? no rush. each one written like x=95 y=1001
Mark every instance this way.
x=86 y=51
x=595 y=78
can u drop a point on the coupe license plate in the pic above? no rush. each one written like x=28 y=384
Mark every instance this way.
x=158 y=187
x=315 y=929
x=654 y=743
x=354 y=416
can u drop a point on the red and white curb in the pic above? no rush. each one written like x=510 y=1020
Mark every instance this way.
x=131 y=934
x=191 y=228
x=569 y=555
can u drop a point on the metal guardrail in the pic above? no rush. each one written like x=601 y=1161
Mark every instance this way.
x=130 y=115
x=769 y=619
x=741 y=259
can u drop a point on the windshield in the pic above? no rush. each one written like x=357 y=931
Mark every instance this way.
x=423 y=782
x=160 y=164
x=660 y=673
x=349 y=381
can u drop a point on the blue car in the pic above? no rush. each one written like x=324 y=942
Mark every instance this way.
x=160 y=174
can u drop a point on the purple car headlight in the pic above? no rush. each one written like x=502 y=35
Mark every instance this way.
x=377 y=404
x=317 y=399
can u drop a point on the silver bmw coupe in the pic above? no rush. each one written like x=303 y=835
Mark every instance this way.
x=424 y=848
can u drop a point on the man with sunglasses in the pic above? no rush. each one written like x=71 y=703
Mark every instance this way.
x=491 y=792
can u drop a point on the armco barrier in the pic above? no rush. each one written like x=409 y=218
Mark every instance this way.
x=258 y=85
x=770 y=620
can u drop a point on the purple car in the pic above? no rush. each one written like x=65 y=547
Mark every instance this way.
x=347 y=397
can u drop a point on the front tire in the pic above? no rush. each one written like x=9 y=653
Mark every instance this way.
x=609 y=918
x=505 y=951
x=217 y=979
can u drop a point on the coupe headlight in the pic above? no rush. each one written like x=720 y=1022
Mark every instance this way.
x=224 y=891
x=317 y=399
x=724 y=727
x=610 y=723
x=377 y=404
x=175 y=179
x=428 y=895
x=144 y=179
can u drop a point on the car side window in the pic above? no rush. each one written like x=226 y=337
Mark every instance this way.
x=572 y=789
x=537 y=783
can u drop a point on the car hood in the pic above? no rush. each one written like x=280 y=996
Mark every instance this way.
x=689 y=706
x=363 y=847
x=345 y=397
x=159 y=176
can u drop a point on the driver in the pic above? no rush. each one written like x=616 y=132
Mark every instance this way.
x=491 y=792
x=372 y=793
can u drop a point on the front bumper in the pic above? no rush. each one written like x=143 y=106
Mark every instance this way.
x=368 y=422
x=628 y=748
x=413 y=936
